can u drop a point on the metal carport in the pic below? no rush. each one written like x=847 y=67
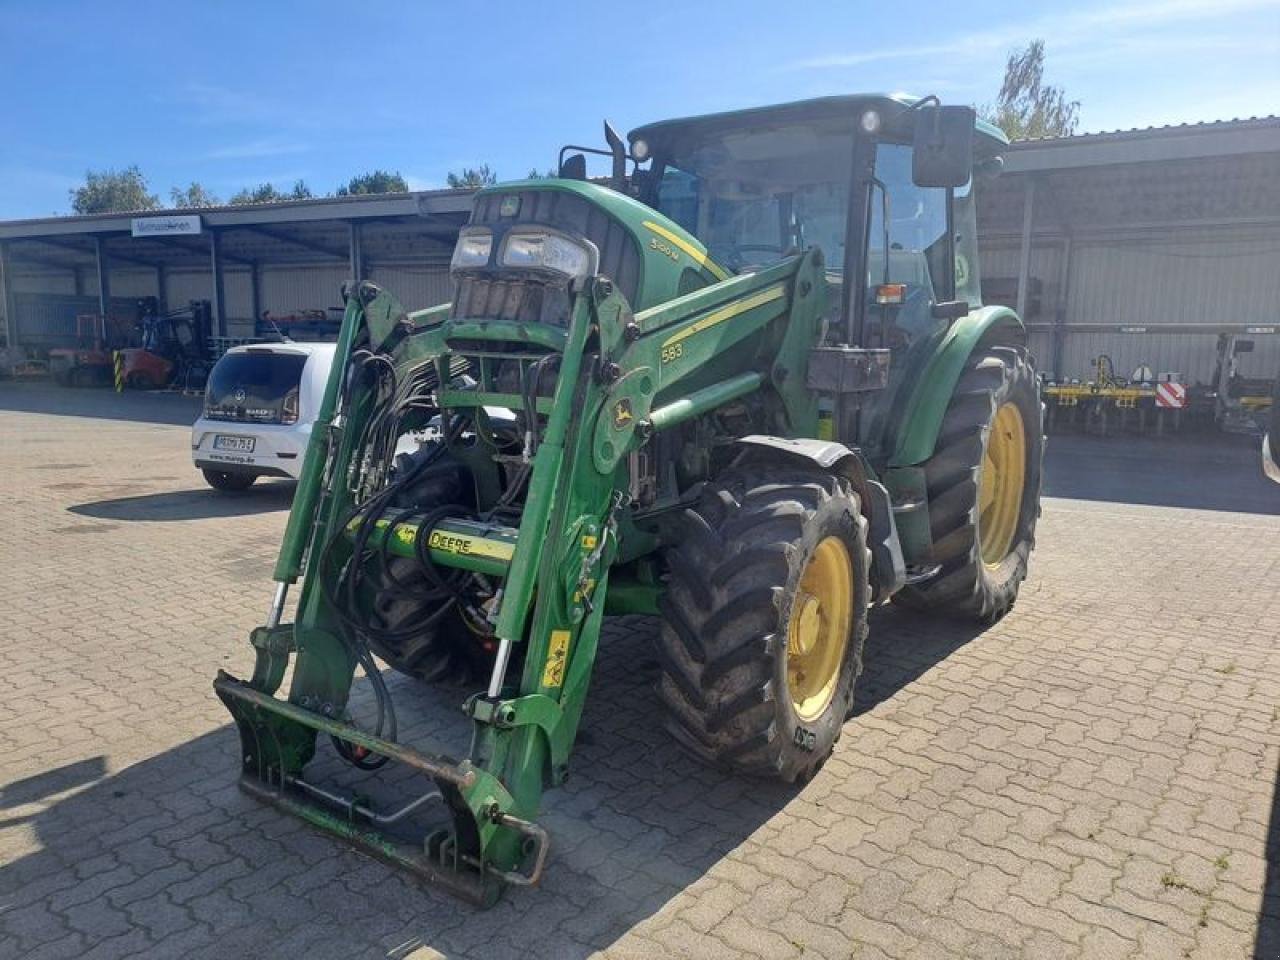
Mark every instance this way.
x=1139 y=244
x=343 y=237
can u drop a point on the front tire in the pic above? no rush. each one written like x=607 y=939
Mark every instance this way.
x=983 y=484
x=229 y=482
x=417 y=629
x=764 y=619
x=424 y=638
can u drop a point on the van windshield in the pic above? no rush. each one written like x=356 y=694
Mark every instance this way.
x=255 y=388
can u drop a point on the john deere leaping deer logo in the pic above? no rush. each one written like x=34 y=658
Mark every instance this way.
x=622 y=414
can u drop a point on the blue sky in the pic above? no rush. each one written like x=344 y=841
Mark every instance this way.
x=235 y=93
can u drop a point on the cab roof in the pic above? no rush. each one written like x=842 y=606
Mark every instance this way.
x=681 y=135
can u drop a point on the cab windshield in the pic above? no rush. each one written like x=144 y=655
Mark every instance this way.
x=755 y=197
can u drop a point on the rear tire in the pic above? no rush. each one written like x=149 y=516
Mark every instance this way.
x=734 y=614
x=996 y=397
x=229 y=482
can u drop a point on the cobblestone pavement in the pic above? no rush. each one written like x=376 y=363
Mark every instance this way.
x=1093 y=777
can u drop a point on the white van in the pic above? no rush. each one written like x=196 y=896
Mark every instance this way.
x=259 y=405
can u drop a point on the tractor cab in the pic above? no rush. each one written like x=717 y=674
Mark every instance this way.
x=883 y=185
x=872 y=180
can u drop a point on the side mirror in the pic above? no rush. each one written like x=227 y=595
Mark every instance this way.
x=574 y=167
x=942 y=148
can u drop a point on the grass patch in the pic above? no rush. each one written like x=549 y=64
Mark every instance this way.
x=1171 y=881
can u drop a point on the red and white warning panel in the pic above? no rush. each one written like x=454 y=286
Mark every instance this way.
x=1170 y=395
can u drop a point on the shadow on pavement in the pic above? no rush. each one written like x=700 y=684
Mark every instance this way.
x=139 y=406
x=636 y=825
x=262 y=497
x=1198 y=472
x=58 y=780
x=1268 y=943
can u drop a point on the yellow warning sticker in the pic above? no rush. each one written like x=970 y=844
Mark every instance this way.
x=557 y=657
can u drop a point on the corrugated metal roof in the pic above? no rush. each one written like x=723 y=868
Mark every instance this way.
x=1201 y=126
x=360 y=206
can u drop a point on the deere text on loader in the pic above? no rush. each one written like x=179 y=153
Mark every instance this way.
x=746 y=385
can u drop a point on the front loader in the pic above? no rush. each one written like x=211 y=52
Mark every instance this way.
x=745 y=384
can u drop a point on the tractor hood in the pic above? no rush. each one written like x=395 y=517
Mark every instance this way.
x=527 y=240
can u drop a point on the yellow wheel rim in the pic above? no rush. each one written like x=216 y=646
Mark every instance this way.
x=818 y=631
x=1000 y=484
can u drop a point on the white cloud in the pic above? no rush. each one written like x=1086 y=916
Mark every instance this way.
x=1103 y=25
x=266 y=147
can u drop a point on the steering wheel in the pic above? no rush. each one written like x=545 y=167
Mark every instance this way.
x=737 y=261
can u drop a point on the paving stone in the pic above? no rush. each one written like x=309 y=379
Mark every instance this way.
x=1082 y=780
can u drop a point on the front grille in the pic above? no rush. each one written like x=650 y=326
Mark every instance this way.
x=524 y=299
x=500 y=296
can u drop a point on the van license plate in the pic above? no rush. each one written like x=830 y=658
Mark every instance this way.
x=238 y=444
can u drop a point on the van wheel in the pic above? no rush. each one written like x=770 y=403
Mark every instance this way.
x=228 y=482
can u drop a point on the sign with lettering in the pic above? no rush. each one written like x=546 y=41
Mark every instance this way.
x=166 y=226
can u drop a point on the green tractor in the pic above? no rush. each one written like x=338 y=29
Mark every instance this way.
x=745 y=384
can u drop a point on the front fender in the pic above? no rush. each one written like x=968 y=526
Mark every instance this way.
x=927 y=404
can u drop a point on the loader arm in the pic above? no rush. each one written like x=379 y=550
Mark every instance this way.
x=617 y=369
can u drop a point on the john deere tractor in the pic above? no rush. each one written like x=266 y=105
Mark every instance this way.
x=743 y=383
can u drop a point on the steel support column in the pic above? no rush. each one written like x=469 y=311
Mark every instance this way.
x=162 y=287
x=104 y=277
x=1024 y=253
x=217 y=299
x=255 y=294
x=1060 y=314
x=356 y=245
x=10 y=324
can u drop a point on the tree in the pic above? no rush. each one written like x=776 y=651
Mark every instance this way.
x=267 y=193
x=377 y=182
x=1028 y=107
x=113 y=191
x=534 y=174
x=472 y=178
x=193 y=196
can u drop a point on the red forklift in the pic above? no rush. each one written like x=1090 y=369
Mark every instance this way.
x=174 y=348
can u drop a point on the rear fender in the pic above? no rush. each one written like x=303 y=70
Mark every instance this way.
x=918 y=428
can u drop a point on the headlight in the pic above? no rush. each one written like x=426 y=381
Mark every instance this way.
x=548 y=251
x=472 y=250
